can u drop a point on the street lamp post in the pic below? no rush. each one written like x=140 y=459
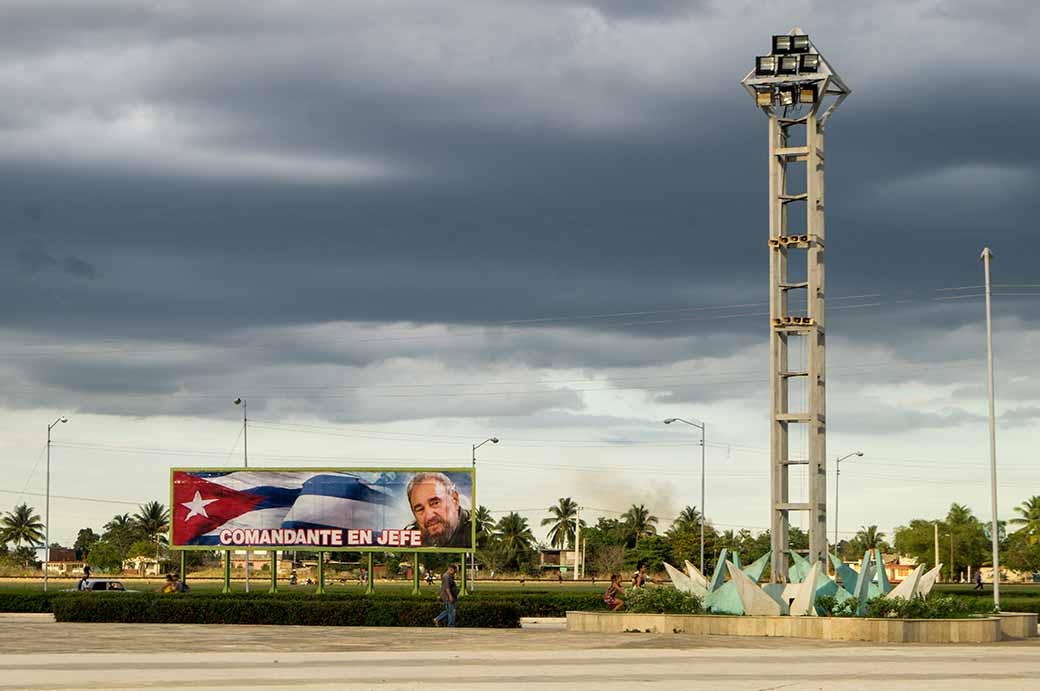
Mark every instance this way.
x=987 y=257
x=245 y=462
x=837 y=480
x=47 y=507
x=473 y=513
x=701 y=426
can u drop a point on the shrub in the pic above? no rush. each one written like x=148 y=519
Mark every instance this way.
x=167 y=609
x=936 y=607
x=830 y=607
x=26 y=602
x=661 y=600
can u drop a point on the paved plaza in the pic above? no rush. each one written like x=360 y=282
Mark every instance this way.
x=39 y=654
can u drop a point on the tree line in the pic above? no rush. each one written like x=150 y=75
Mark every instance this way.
x=508 y=544
x=124 y=536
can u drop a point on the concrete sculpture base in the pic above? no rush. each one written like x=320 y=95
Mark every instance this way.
x=980 y=630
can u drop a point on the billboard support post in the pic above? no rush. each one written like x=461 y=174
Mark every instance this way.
x=463 y=576
x=321 y=574
x=184 y=567
x=274 y=572
x=227 y=571
x=415 y=573
x=370 y=586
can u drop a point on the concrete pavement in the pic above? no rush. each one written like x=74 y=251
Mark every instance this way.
x=39 y=655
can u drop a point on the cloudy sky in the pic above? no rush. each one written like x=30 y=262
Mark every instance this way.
x=398 y=228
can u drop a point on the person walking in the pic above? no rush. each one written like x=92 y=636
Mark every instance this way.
x=449 y=596
x=978 y=580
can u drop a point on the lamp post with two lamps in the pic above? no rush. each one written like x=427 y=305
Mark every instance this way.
x=700 y=426
x=47 y=506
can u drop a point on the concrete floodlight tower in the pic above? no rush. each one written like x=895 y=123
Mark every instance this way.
x=798 y=90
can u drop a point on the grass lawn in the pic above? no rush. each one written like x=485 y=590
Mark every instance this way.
x=1008 y=589
x=262 y=583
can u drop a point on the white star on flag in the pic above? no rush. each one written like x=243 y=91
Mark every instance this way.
x=197 y=506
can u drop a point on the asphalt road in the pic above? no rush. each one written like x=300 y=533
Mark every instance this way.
x=39 y=654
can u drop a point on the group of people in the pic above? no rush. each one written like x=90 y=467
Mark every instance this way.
x=174 y=584
x=614 y=592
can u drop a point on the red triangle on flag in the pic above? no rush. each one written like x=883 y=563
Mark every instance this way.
x=200 y=506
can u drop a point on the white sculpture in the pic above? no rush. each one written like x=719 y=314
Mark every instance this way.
x=928 y=581
x=754 y=600
x=908 y=588
x=804 y=604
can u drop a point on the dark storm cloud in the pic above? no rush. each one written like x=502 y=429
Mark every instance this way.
x=239 y=167
x=33 y=259
x=80 y=267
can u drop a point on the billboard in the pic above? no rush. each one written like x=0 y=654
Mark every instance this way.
x=347 y=509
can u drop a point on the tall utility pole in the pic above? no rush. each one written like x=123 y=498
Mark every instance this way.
x=987 y=257
x=577 y=543
x=797 y=90
x=936 y=526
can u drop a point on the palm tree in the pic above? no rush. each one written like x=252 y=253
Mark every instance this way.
x=639 y=522
x=23 y=525
x=1030 y=518
x=485 y=524
x=728 y=539
x=153 y=520
x=120 y=522
x=515 y=537
x=869 y=538
x=688 y=519
x=563 y=521
x=959 y=514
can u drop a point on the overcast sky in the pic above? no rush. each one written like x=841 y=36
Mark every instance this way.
x=398 y=228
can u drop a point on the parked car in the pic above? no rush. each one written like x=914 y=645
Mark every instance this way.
x=100 y=584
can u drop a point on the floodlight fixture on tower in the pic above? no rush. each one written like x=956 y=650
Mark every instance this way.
x=798 y=90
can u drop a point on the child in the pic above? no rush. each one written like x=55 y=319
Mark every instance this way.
x=612 y=596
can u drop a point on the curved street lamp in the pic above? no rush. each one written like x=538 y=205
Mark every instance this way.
x=837 y=478
x=47 y=507
x=700 y=426
x=473 y=513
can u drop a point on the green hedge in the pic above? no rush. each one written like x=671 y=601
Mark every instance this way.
x=174 y=609
x=26 y=602
x=531 y=604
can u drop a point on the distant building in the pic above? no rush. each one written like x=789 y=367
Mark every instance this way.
x=259 y=559
x=1007 y=575
x=897 y=567
x=63 y=562
x=551 y=559
x=143 y=566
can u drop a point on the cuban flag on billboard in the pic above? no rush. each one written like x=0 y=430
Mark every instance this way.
x=208 y=502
